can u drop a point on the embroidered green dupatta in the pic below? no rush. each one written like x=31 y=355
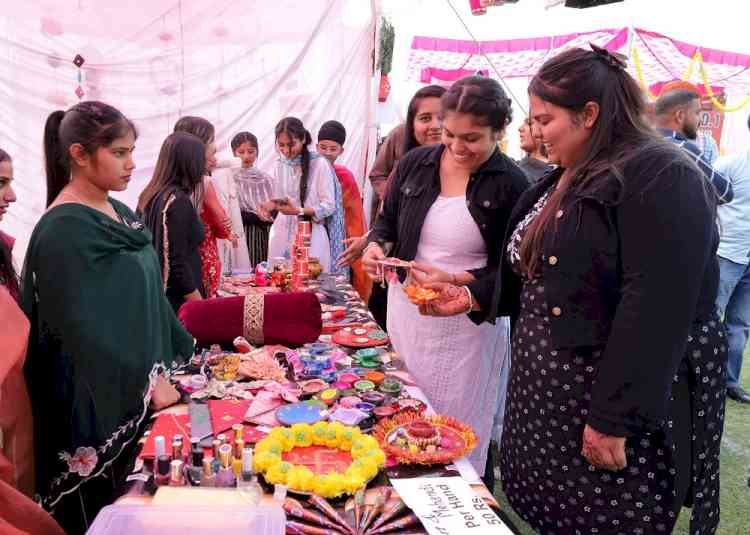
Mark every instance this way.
x=101 y=331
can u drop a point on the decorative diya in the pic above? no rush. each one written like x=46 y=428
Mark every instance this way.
x=313 y=386
x=354 y=337
x=411 y=438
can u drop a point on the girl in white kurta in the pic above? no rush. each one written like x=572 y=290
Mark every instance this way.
x=305 y=185
x=233 y=257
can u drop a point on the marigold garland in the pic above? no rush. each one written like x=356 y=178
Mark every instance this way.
x=365 y=451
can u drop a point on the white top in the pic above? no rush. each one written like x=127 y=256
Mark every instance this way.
x=735 y=216
x=450 y=238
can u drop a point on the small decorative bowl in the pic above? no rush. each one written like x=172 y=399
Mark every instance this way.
x=364 y=386
x=390 y=385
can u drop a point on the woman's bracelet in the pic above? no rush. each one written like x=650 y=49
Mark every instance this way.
x=370 y=246
x=471 y=299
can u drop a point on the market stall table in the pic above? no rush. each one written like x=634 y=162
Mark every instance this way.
x=342 y=308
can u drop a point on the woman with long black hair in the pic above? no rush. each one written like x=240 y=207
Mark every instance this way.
x=609 y=272
x=103 y=335
x=167 y=209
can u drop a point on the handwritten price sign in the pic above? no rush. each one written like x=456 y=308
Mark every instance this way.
x=449 y=506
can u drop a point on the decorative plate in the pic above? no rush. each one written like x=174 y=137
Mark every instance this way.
x=411 y=438
x=299 y=413
x=374 y=337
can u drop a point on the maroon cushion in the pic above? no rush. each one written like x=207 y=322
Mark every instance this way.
x=291 y=319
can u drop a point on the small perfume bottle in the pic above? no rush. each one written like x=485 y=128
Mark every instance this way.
x=208 y=478
x=239 y=445
x=176 y=478
x=216 y=444
x=247 y=483
x=161 y=474
x=225 y=477
x=177 y=450
x=195 y=470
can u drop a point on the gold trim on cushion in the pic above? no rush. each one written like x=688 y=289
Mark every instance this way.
x=252 y=324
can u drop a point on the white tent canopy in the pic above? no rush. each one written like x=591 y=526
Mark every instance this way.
x=242 y=65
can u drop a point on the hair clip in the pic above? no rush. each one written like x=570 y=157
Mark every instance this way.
x=618 y=61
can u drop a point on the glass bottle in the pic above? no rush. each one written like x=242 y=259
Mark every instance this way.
x=225 y=477
x=247 y=483
x=208 y=478
x=161 y=473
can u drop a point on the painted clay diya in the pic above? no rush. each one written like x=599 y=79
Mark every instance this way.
x=364 y=386
x=411 y=438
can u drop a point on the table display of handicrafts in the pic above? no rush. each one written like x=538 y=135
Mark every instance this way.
x=324 y=410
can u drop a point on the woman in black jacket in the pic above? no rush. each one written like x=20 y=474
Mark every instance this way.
x=167 y=209
x=609 y=274
x=445 y=209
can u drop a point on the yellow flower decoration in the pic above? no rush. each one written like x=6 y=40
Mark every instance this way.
x=333 y=434
x=303 y=435
x=367 y=455
x=264 y=459
x=320 y=430
x=348 y=436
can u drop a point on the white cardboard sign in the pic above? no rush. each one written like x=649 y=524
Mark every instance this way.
x=449 y=506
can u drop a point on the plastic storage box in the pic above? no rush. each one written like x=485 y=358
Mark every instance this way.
x=182 y=520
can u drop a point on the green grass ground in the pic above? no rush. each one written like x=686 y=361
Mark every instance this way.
x=735 y=460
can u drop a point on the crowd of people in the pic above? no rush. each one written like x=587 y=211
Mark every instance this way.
x=591 y=312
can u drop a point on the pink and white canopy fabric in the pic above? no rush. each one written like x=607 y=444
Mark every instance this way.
x=662 y=58
x=512 y=58
x=242 y=65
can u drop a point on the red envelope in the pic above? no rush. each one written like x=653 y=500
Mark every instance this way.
x=226 y=412
x=168 y=425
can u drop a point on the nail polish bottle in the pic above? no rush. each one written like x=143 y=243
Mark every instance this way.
x=239 y=445
x=161 y=473
x=225 y=477
x=176 y=478
x=247 y=483
x=208 y=478
x=195 y=469
x=216 y=444
x=177 y=450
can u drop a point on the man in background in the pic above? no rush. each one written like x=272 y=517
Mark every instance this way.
x=677 y=113
x=733 y=300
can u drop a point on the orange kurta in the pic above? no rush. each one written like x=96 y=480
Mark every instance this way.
x=18 y=514
x=15 y=406
x=354 y=218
